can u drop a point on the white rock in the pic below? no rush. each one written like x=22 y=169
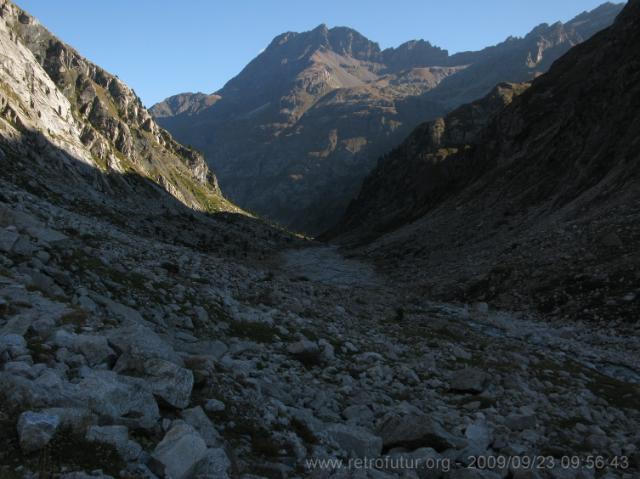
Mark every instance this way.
x=142 y=343
x=168 y=381
x=520 y=422
x=14 y=344
x=95 y=348
x=416 y=430
x=478 y=435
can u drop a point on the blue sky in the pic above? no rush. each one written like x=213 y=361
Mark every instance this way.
x=162 y=47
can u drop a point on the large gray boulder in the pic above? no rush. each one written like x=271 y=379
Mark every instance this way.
x=120 y=398
x=179 y=452
x=94 y=348
x=75 y=419
x=356 y=441
x=413 y=431
x=141 y=343
x=36 y=429
x=469 y=380
x=167 y=380
x=520 y=422
x=197 y=418
x=49 y=389
x=45 y=283
x=479 y=435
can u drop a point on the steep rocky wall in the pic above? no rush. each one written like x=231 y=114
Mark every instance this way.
x=116 y=133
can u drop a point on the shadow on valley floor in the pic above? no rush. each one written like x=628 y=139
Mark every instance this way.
x=132 y=201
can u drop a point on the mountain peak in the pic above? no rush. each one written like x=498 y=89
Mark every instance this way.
x=321 y=28
x=414 y=53
x=341 y=40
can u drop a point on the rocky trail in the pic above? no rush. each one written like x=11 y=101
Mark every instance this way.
x=605 y=353
x=142 y=357
x=327 y=265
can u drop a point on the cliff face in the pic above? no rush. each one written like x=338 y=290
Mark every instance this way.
x=424 y=168
x=294 y=134
x=533 y=207
x=67 y=114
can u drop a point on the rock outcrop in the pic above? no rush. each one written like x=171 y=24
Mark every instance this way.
x=83 y=122
x=423 y=169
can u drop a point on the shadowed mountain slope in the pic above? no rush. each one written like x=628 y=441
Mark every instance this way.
x=535 y=205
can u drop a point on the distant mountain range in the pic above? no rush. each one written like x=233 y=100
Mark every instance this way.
x=293 y=135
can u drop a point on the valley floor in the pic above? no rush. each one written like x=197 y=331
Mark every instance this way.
x=138 y=357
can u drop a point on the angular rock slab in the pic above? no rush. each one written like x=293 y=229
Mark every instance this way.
x=167 y=381
x=413 y=431
x=35 y=430
x=118 y=397
x=142 y=343
x=197 y=418
x=356 y=441
x=179 y=451
x=469 y=380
